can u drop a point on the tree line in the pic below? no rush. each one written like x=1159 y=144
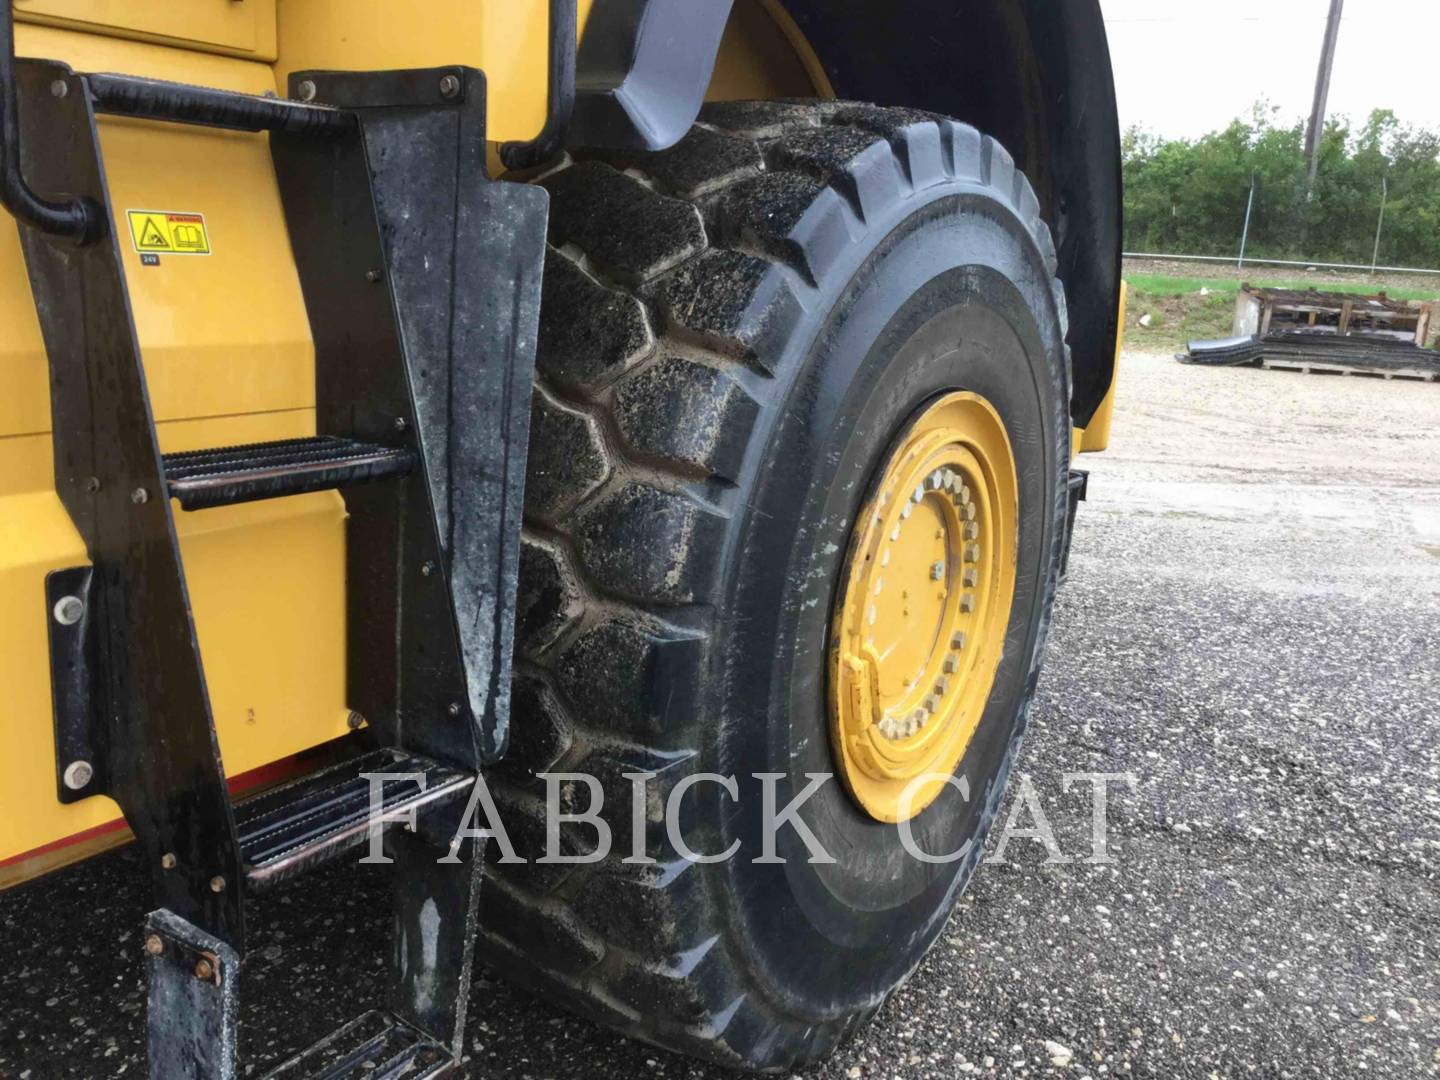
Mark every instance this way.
x=1189 y=197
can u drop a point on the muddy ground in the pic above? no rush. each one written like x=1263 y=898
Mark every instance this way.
x=1251 y=629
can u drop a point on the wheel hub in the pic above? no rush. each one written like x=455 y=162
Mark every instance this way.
x=918 y=633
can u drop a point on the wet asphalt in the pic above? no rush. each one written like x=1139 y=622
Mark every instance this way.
x=1261 y=653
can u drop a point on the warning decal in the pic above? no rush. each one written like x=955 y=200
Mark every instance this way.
x=162 y=232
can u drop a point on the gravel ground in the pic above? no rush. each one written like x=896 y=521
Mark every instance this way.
x=1250 y=629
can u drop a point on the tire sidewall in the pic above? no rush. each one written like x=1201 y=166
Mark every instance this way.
x=953 y=295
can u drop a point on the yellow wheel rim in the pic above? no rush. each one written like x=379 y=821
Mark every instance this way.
x=920 y=628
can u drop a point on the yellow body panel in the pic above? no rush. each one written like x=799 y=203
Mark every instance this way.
x=245 y=27
x=227 y=349
x=507 y=40
x=229 y=360
x=1095 y=436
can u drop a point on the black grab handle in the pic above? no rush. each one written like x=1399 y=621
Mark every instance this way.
x=76 y=218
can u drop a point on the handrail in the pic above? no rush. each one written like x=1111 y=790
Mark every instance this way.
x=561 y=107
x=76 y=218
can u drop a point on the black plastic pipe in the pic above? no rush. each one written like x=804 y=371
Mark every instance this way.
x=550 y=143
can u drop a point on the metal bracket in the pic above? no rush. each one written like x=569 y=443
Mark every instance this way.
x=1077 y=487
x=146 y=684
x=193 y=992
x=463 y=258
x=82 y=758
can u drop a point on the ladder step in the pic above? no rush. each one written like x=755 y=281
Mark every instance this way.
x=237 y=474
x=156 y=99
x=377 y=1046
x=318 y=818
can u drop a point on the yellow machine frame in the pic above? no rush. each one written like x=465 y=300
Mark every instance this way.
x=229 y=357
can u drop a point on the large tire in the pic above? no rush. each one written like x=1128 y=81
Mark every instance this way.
x=732 y=332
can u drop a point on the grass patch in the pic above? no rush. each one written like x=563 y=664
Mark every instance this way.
x=1185 y=309
x=1157 y=283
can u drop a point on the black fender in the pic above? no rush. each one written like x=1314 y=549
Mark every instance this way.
x=1035 y=74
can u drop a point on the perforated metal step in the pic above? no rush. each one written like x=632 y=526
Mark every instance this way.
x=320 y=817
x=377 y=1046
x=236 y=474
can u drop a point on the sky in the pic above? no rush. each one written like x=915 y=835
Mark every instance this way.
x=1184 y=68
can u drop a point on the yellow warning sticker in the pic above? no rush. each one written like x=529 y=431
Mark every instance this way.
x=165 y=232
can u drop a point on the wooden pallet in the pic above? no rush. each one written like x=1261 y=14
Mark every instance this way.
x=1324 y=367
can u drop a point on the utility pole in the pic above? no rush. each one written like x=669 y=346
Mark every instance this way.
x=1384 y=198
x=1322 y=90
x=1245 y=236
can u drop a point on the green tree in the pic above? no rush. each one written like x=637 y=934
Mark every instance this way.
x=1189 y=196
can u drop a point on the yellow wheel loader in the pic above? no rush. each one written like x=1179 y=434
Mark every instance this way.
x=609 y=459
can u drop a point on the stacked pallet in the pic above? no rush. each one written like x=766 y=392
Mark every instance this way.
x=1334 y=333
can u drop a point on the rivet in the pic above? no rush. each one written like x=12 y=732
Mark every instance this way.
x=400 y=423
x=167 y=861
x=427 y=568
x=355 y=721
x=217 y=884
x=454 y=709
x=306 y=90
x=153 y=945
x=204 y=970
x=139 y=495
x=78 y=775
x=92 y=484
x=59 y=88
x=373 y=276
x=449 y=86
x=68 y=610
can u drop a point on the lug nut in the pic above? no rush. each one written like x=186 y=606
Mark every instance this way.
x=153 y=945
x=139 y=495
x=449 y=86
x=78 y=775
x=168 y=861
